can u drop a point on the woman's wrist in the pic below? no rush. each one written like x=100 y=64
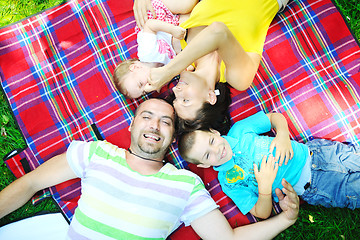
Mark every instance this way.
x=169 y=70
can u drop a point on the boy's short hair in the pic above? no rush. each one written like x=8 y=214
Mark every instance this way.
x=185 y=144
x=120 y=72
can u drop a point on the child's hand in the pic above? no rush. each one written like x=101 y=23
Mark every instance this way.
x=266 y=176
x=284 y=149
x=178 y=32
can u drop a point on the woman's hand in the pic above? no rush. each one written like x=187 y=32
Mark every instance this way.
x=283 y=146
x=140 y=9
x=157 y=79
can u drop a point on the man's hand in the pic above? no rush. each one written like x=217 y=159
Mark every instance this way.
x=284 y=149
x=289 y=202
x=140 y=11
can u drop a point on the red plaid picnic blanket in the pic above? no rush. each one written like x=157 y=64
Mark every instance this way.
x=56 y=72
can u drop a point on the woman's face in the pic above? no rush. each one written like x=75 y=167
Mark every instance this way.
x=190 y=94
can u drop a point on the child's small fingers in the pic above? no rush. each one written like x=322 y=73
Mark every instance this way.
x=263 y=161
x=286 y=157
x=272 y=162
x=256 y=170
x=149 y=88
x=278 y=155
x=272 y=146
x=276 y=167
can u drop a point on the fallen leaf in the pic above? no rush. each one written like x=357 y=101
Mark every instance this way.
x=5 y=119
x=3 y=132
x=311 y=219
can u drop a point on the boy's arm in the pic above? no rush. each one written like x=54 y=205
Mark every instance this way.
x=215 y=226
x=265 y=178
x=54 y=171
x=240 y=65
x=154 y=25
x=281 y=141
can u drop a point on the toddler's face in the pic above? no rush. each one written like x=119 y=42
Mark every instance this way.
x=134 y=83
x=210 y=149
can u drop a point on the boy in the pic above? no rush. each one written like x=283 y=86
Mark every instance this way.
x=321 y=171
x=158 y=43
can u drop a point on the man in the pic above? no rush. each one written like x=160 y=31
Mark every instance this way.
x=133 y=195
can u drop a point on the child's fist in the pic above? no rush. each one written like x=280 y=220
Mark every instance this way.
x=179 y=32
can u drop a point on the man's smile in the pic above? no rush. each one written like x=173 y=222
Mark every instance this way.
x=153 y=137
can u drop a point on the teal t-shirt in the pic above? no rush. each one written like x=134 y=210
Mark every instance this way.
x=237 y=176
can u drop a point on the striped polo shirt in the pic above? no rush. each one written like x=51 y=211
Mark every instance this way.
x=119 y=203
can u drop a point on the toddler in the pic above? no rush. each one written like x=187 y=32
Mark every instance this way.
x=158 y=43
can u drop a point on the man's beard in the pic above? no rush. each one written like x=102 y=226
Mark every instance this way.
x=148 y=149
x=151 y=150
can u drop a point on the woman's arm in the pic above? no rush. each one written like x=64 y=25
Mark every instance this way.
x=240 y=65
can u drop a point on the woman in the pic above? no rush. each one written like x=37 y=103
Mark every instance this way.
x=225 y=44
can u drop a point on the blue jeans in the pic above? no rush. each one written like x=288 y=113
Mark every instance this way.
x=335 y=174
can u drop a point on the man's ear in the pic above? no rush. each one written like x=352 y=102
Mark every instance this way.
x=203 y=165
x=129 y=128
x=212 y=98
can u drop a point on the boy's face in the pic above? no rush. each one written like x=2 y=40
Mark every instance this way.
x=134 y=82
x=210 y=149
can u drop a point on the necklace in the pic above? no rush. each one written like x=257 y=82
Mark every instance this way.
x=148 y=159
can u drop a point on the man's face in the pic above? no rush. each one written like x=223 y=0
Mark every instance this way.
x=152 y=129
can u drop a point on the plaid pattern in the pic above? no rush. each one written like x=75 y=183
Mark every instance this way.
x=56 y=72
x=310 y=73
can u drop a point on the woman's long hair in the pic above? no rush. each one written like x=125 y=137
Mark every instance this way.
x=215 y=116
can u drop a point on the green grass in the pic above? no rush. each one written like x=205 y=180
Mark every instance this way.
x=10 y=137
x=313 y=223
